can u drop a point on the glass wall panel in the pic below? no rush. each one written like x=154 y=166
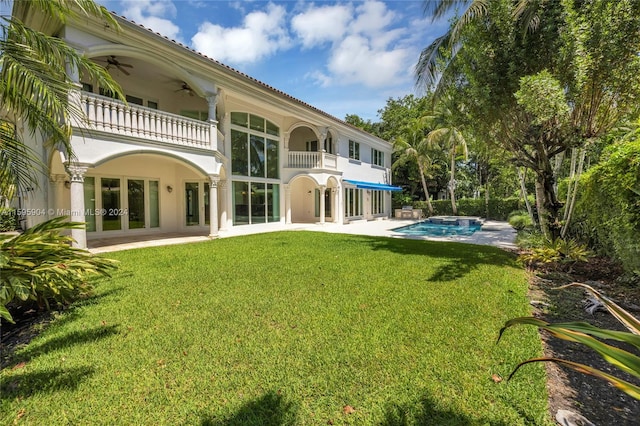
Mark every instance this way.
x=135 y=198
x=192 y=201
x=239 y=119
x=207 y=212
x=273 y=162
x=256 y=123
x=90 y=203
x=240 y=203
x=272 y=129
x=257 y=156
x=110 y=191
x=154 y=204
x=239 y=154
x=273 y=202
x=258 y=203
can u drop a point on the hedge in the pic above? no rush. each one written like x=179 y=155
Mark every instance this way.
x=8 y=219
x=496 y=209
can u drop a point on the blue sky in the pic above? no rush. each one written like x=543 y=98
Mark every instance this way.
x=342 y=57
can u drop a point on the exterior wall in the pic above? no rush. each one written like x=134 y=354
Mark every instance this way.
x=160 y=70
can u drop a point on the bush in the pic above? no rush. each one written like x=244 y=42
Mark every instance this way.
x=498 y=208
x=607 y=214
x=40 y=265
x=559 y=250
x=520 y=221
x=8 y=219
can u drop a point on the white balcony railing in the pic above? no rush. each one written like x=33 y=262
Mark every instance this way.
x=311 y=160
x=108 y=115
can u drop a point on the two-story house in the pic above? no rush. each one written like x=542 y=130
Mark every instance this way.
x=198 y=146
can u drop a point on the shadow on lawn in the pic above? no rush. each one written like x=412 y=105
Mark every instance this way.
x=271 y=409
x=459 y=259
x=427 y=412
x=57 y=379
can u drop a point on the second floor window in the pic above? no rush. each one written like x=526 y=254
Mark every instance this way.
x=354 y=150
x=377 y=157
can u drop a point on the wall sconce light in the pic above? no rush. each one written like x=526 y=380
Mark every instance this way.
x=309 y=192
x=67 y=184
x=169 y=189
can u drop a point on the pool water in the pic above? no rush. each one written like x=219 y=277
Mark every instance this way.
x=429 y=229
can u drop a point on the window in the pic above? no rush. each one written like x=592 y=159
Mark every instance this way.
x=352 y=202
x=377 y=202
x=255 y=202
x=133 y=100
x=115 y=204
x=354 y=150
x=253 y=152
x=196 y=115
x=87 y=87
x=377 y=157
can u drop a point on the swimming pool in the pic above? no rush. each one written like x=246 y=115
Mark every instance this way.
x=441 y=228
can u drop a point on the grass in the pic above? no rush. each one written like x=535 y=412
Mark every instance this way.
x=284 y=329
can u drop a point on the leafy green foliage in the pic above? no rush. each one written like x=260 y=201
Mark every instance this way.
x=496 y=209
x=558 y=250
x=40 y=265
x=589 y=336
x=7 y=219
x=520 y=221
x=608 y=208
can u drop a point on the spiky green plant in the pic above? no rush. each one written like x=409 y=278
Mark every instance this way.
x=589 y=336
x=40 y=265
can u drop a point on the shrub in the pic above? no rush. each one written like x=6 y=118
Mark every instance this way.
x=40 y=265
x=497 y=208
x=8 y=219
x=520 y=221
x=559 y=250
x=607 y=213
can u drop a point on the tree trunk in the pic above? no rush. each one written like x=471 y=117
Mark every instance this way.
x=523 y=192
x=452 y=193
x=547 y=200
x=426 y=191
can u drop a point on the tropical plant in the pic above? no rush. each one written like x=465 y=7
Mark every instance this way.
x=35 y=87
x=558 y=250
x=520 y=221
x=41 y=266
x=447 y=132
x=413 y=145
x=589 y=336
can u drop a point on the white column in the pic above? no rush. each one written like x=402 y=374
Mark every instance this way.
x=322 y=189
x=224 y=208
x=339 y=205
x=77 y=172
x=212 y=100
x=287 y=203
x=213 y=205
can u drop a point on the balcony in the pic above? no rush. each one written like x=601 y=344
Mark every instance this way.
x=311 y=160
x=104 y=114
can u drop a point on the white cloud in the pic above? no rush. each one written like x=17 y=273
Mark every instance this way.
x=262 y=34
x=366 y=49
x=355 y=60
x=153 y=14
x=318 y=25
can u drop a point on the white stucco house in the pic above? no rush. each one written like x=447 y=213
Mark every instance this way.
x=198 y=147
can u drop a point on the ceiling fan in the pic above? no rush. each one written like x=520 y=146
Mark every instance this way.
x=112 y=61
x=185 y=88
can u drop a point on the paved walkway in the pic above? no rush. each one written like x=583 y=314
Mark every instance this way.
x=499 y=234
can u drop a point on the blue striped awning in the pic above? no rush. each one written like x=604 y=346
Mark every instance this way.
x=371 y=185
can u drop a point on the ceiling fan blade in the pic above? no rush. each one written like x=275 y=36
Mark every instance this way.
x=125 y=72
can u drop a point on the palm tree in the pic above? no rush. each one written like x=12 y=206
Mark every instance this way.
x=35 y=94
x=448 y=134
x=436 y=64
x=35 y=86
x=413 y=145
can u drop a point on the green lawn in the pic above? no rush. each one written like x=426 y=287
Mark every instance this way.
x=284 y=329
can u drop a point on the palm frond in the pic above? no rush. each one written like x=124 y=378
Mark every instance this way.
x=19 y=164
x=64 y=10
x=439 y=8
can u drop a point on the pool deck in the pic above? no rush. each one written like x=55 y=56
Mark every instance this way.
x=493 y=233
